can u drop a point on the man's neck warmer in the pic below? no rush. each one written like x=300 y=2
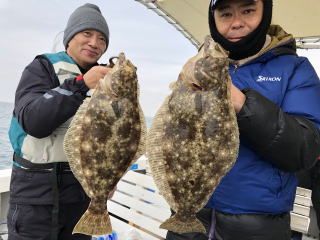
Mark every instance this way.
x=249 y=45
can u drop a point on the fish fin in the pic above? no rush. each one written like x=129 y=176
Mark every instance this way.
x=71 y=143
x=155 y=154
x=94 y=224
x=173 y=85
x=174 y=224
x=143 y=135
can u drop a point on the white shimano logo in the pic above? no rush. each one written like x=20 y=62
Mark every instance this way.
x=268 y=79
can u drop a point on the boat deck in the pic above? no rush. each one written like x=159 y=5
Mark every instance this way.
x=142 y=209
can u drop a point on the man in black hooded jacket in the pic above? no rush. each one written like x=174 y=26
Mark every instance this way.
x=276 y=96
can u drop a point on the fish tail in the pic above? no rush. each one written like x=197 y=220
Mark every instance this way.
x=175 y=224
x=94 y=224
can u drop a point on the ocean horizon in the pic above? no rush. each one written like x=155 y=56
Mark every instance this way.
x=6 y=151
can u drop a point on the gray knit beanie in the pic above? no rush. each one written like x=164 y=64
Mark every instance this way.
x=85 y=17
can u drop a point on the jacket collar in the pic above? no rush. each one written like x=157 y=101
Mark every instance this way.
x=278 y=43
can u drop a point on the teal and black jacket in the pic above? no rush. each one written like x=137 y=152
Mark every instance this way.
x=48 y=95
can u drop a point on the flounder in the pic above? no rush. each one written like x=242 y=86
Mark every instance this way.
x=194 y=139
x=106 y=135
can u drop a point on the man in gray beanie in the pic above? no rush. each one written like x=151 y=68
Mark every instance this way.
x=85 y=17
x=46 y=200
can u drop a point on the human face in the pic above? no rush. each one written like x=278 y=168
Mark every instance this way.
x=236 y=19
x=86 y=47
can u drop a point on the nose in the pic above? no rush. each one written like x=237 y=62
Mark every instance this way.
x=237 y=22
x=93 y=41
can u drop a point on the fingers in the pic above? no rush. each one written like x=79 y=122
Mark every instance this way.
x=238 y=98
x=104 y=70
x=92 y=77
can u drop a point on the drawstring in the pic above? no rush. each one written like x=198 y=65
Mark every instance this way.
x=213 y=225
x=55 y=208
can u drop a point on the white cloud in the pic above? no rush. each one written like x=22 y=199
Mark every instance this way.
x=4 y=4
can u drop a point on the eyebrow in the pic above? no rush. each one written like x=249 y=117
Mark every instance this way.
x=247 y=4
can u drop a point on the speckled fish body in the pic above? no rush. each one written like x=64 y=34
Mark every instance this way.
x=194 y=140
x=105 y=137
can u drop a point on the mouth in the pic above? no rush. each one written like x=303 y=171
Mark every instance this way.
x=91 y=53
x=196 y=86
x=234 y=39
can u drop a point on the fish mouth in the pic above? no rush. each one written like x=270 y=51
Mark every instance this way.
x=196 y=86
x=111 y=63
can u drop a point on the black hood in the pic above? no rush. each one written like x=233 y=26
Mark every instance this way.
x=249 y=45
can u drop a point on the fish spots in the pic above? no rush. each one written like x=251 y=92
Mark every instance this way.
x=88 y=173
x=101 y=155
x=104 y=173
x=211 y=74
x=127 y=87
x=116 y=109
x=198 y=103
x=184 y=130
x=133 y=147
x=125 y=129
x=101 y=131
x=87 y=119
x=180 y=130
x=86 y=146
x=106 y=135
x=193 y=140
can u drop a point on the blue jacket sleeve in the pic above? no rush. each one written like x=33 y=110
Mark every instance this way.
x=287 y=136
x=41 y=103
x=303 y=93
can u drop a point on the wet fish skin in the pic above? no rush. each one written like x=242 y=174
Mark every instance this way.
x=193 y=141
x=105 y=137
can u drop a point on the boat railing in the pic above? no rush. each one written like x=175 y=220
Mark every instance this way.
x=137 y=206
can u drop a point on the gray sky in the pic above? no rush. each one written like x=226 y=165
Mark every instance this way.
x=155 y=47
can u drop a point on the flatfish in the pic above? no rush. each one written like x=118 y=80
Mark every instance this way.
x=194 y=138
x=106 y=135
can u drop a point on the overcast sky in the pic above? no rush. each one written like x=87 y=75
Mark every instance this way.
x=157 y=49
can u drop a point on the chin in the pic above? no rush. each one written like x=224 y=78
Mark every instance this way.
x=91 y=60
